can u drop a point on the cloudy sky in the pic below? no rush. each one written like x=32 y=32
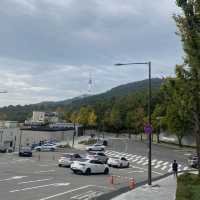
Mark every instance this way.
x=48 y=48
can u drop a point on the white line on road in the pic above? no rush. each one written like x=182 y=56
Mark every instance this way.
x=164 y=167
x=51 y=170
x=157 y=173
x=13 y=178
x=63 y=193
x=41 y=186
x=135 y=172
x=33 y=181
x=79 y=195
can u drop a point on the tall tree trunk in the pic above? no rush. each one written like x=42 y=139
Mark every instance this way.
x=197 y=134
x=180 y=141
x=158 y=136
x=129 y=134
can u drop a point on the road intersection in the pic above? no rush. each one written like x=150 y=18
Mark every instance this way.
x=40 y=178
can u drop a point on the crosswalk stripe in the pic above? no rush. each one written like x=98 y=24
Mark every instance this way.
x=143 y=160
x=163 y=168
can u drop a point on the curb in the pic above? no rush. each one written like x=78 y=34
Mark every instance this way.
x=122 y=190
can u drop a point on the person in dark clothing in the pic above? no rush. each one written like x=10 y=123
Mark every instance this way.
x=175 y=168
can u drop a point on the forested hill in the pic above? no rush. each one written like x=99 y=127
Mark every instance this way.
x=20 y=113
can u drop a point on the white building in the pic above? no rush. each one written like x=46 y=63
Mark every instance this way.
x=9 y=133
x=44 y=117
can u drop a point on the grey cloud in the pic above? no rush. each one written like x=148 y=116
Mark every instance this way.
x=59 y=42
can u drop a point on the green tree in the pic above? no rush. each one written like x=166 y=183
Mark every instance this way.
x=188 y=23
x=82 y=117
x=92 y=119
x=130 y=122
x=115 y=119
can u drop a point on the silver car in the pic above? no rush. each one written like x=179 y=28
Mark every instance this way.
x=96 y=155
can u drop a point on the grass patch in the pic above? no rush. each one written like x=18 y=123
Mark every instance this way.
x=88 y=142
x=188 y=187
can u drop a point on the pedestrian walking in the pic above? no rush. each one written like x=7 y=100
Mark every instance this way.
x=175 y=168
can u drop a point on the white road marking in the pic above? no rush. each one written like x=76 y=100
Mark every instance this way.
x=166 y=163
x=75 y=197
x=170 y=170
x=135 y=172
x=164 y=167
x=145 y=163
x=13 y=178
x=140 y=161
x=66 y=192
x=157 y=166
x=51 y=170
x=33 y=181
x=92 y=195
x=157 y=173
x=135 y=160
x=41 y=186
x=159 y=162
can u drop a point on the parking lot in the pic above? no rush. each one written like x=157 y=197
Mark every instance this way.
x=40 y=178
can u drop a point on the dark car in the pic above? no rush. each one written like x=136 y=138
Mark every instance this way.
x=3 y=149
x=25 y=151
x=193 y=161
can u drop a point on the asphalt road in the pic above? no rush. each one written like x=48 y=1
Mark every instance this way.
x=39 y=178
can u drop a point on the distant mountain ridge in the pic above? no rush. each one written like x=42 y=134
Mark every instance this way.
x=20 y=113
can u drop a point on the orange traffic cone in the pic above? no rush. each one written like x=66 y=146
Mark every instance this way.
x=132 y=184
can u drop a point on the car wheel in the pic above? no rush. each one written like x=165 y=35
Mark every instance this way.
x=88 y=171
x=52 y=149
x=109 y=165
x=38 y=149
x=59 y=165
x=106 y=171
x=89 y=149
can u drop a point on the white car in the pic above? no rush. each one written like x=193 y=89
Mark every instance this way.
x=96 y=147
x=67 y=158
x=88 y=167
x=118 y=162
x=46 y=147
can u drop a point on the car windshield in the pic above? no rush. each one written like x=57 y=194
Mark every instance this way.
x=25 y=149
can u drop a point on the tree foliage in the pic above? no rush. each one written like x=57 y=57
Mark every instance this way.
x=188 y=23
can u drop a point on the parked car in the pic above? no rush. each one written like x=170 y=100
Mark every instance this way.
x=96 y=147
x=96 y=155
x=86 y=166
x=67 y=158
x=25 y=151
x=46 y=147
x=193 y=161
x=3 y=149
x=118 y=162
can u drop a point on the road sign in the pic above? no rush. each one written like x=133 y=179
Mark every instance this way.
x=148 y=129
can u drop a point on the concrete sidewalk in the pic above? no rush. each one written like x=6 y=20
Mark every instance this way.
x=164 y=189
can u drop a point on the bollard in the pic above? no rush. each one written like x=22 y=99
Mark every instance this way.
x=111 y=180
x=132 y=184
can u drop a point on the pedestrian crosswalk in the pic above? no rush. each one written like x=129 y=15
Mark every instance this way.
x=143 y=161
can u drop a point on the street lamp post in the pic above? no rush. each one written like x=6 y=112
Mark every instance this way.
x=149 y=114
